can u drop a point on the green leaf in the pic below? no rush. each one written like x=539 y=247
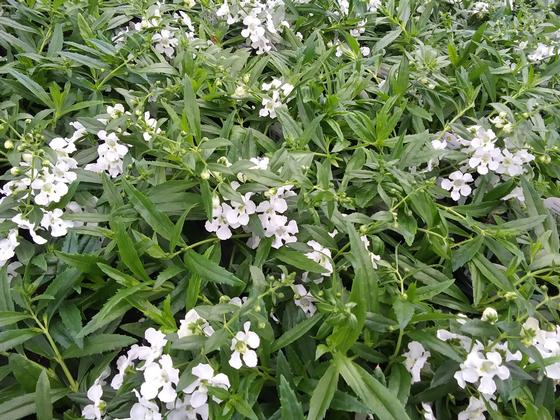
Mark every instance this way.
x=209 y=270
x=323 y=394
x=290 y=407
x=386 y=40
x=127 y=251
x=466 y=252
x=157 y=68
x=190 y=109
x=110 y=310
x=371 y=392
x=99 y=344
x=120 y=277
x=433 y=343
x=492 y=273
x=295 y=333
x=298 y=260
x=535 y=207
x=6 y=303
x=363 y=293
x=9 y=318
x=43 y=397
x=84 y=60
x=25 y=405
x=57 y=40
x=31 y=85
x=12 y=338
x=158 y=221
x=243 y=408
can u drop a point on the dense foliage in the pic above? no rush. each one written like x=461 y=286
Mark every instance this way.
x=279 y=209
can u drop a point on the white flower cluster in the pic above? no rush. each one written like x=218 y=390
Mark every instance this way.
x=277 y=91
x=161 y=378
x=484 y=156
x=547 y=344
x=480 y=8
x=237 y=214
x=110 y=155
x=45 y=176
x=165 y=42
x=542 y=52
x=165 y=37
x=111 y=152
x=482 y=364
x=263 y=21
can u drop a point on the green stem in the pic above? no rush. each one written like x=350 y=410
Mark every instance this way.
x=57 y=356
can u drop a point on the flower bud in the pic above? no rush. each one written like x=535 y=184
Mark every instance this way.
x=205 y=174
x=490 y=315
x=8 y=144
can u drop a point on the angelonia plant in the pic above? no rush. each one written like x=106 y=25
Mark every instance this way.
x=279 y=209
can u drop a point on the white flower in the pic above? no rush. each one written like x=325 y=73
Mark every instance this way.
x=278 y=226
x=269 y=107
x=524 y=155
x=366 y=51
x=63 y=146
x=547 y=344
x=542 y=52
x=194 y=324
x=240 y=212
x=243 y=345
x=183 y=410
x=359 y=29
x=144 y=409
x=97 y=408
x=238 y=301
x=159 y=379
x=480 y=8
x=53 y=220
x=475 y=409
x=115 y=111
x=260 y=163
x=110 y=152
x=517 y=193
x=157 y=342
x=24 y=223
x=504 y=350
x=428 y=413
x=416 y=358
x=373 y=5
x=483 y=138
x=458 y=184
x=489 y=315
x=463 y=340
x=482 y=368
x=123 y=363
x=151 y=127
x=165 y=42
x=485 y=159
x=204 y=378
x=51 y=189
x=511 y=164
x=8 y=246
x=321 y=255
x=304 y=299
x=219 y=223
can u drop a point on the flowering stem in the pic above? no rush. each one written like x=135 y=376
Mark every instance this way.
x=57 y=356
